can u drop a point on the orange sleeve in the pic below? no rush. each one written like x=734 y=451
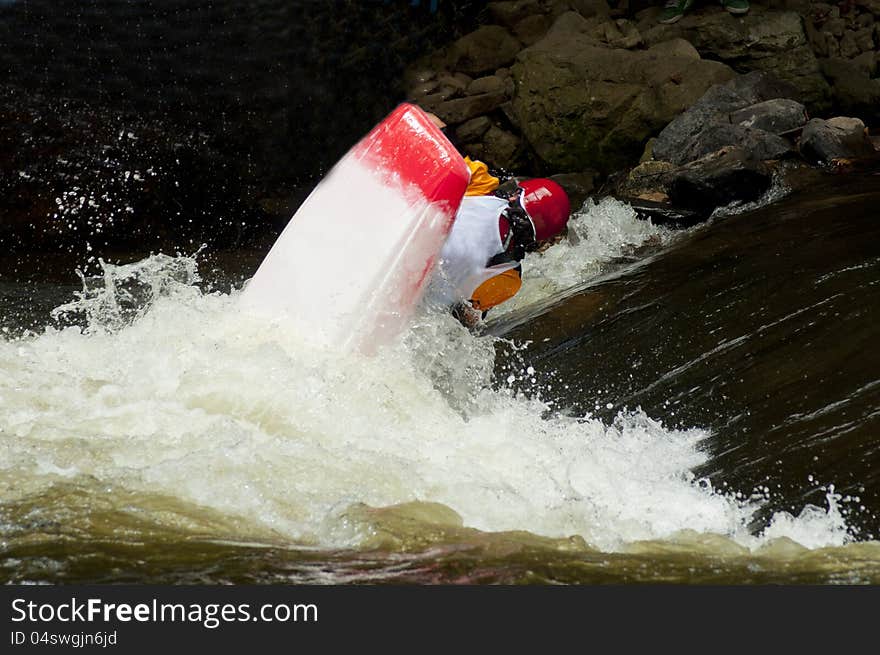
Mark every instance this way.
x=481 y=184
x=496 y=290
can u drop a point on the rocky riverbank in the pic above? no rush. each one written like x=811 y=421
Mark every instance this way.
x=702 y=110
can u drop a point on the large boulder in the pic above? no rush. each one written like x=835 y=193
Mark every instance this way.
x=856 y=94
x=837 y=138
x=581 y=105
x=737 y=113
x=770 y=41
x=482 y=51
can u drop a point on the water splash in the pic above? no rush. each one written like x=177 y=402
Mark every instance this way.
x=600 y=233
x=167 y=391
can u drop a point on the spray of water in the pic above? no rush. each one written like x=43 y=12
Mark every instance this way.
x=151 y=388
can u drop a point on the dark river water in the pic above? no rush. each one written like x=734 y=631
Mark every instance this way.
x=660 y=405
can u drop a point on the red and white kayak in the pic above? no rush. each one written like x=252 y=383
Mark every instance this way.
x=352 y=263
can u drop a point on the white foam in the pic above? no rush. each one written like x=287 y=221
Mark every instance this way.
x=602 y=231
x=188 y=398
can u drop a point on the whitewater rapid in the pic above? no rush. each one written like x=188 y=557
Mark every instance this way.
x=150 y=385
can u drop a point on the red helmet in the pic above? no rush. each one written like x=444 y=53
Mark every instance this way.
x=547 y=205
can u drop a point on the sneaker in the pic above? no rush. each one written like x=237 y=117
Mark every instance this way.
x=736 y=7
x=673 y=10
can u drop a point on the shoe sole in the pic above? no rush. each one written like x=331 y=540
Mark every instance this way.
x=736 y=12
x=670 y=21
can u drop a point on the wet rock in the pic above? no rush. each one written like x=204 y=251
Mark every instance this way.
x=488 y=84
x=867 y=62
x=855 y=92
x=578 y=186
x=648 y=179
x=676 y=47
x=582 y=105
x=718 y=179
x=662 y=213
x=460 y=110
x=483 y=50
x=471 y=131
x=591 y=8
x=512 y=12
x=848 y=46
x=759 y=86
x=770 y=41
x=864 y=39
x=864 y=20
x=775 y=116
x=835 y=138
x=452 y=85
x=499 y=148
x=723 y=116
x=835 y=27
x=530 y=30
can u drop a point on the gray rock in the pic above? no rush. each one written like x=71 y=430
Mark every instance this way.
x=775 y=116
x=718 y=179
x=759 y=86
x=737 y=113
x=483 y=50
x=836 y=138
x=758 y=144
x=472 y=131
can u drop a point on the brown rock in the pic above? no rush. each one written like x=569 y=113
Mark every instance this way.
x=867 y=62
x=676 y=47
x=849 y=48
x=649 y=177
x=488 y=84
x=865 y=39
x=483 y=50
x=835 y=26
x=460 y=110
x=578 y=186
x=473 y=130
x=530 y=29
x=512 y=12
x=837 y=138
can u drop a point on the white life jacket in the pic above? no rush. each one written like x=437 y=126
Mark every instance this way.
x=472 y=242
